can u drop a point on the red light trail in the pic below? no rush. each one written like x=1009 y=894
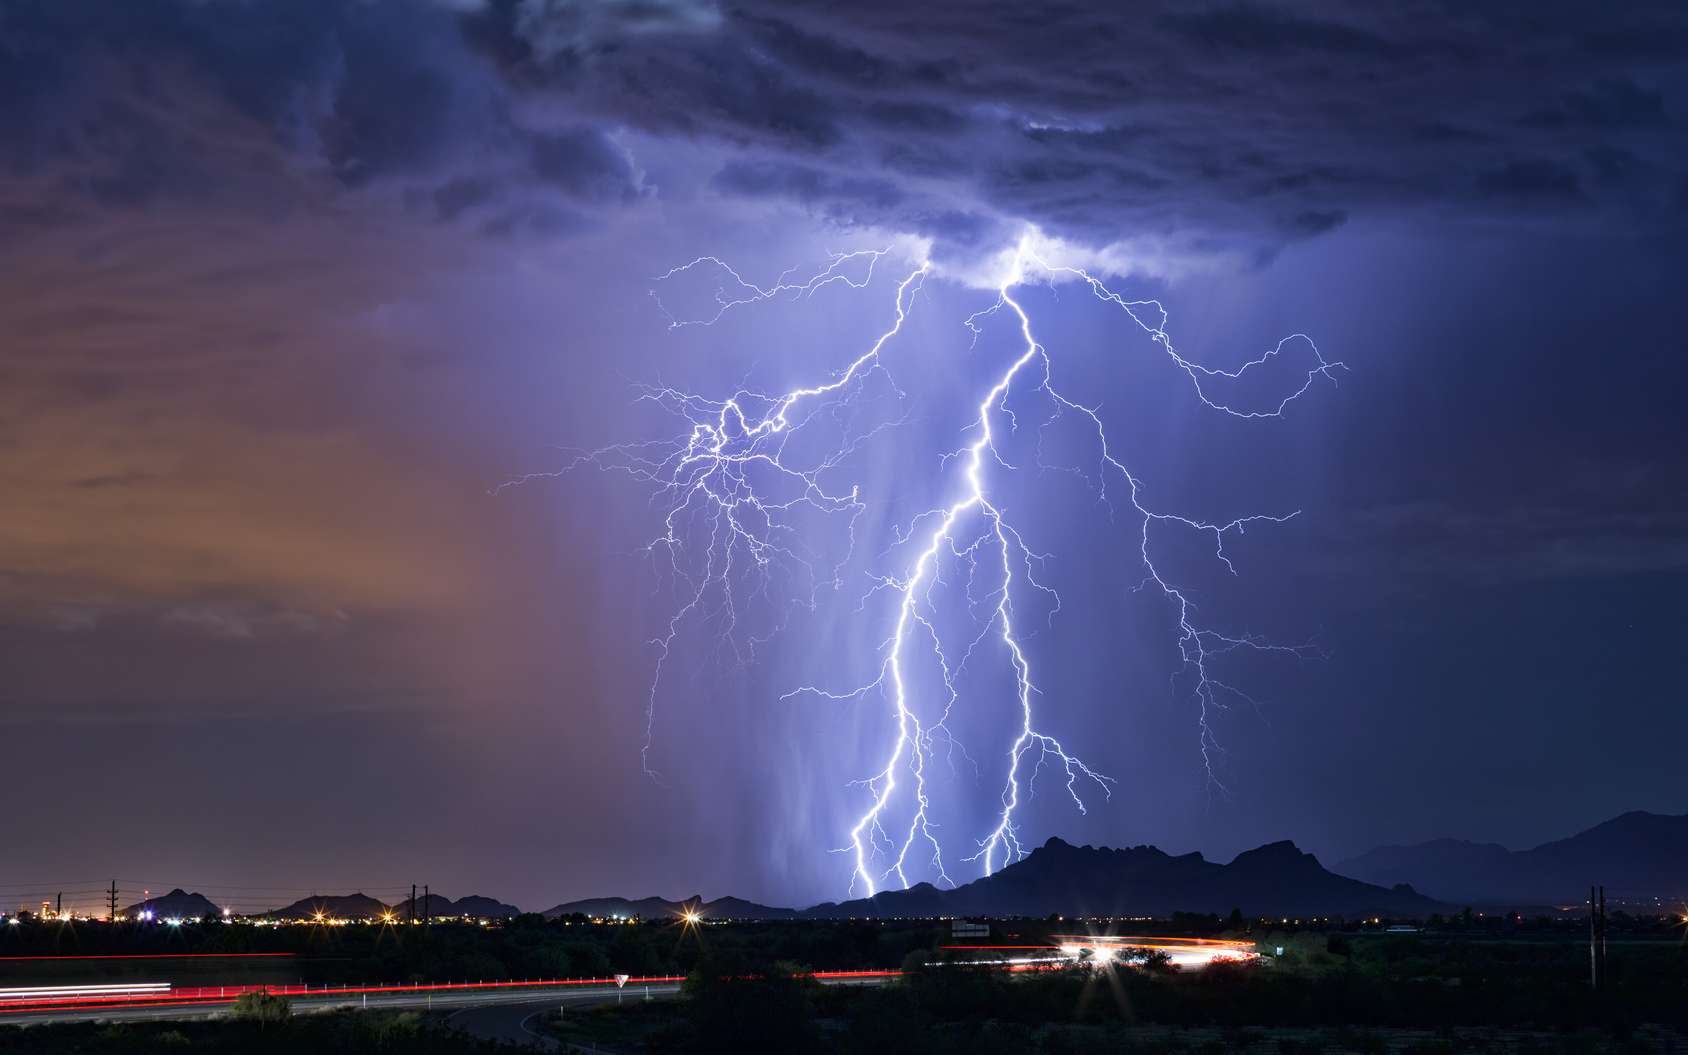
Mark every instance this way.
x=211 y=995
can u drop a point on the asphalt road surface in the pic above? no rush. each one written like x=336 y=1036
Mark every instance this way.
x=450 y=1001
x=514 y=1022
x=492 y=1014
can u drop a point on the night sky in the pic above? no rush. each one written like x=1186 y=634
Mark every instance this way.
x=288 y=289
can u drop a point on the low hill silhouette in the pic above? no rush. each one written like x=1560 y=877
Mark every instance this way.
x=437 y=906
x=483 y=907
x=1636 y=855
x=334 y=906
x=657 y=908
x=1058 y=878
x=177 y=904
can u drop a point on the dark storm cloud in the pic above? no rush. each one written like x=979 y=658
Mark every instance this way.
x=282 y=296
x=204 y=100
x=1247 y=124
x=811 y=186
x=1204 y=126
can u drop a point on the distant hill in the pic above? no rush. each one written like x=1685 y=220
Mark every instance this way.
x=427 y=905
x=738 y=908
x=438 y=906
x=482 y=908
x=1637 y=855
x=177 y=904
x=341 y=906
x=1059 y=878
x=657 y=908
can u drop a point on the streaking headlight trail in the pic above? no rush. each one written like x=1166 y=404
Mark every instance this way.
x=741 y=482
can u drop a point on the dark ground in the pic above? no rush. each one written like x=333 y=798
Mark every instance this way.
x=1463 y=984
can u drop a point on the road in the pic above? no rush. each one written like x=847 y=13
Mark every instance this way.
x=502 y=1014
x=454 y=1001
x=513 y=1022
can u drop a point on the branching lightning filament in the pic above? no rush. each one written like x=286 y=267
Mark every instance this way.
x=737 y=487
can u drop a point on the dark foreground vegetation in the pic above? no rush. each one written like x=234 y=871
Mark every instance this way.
x=265 y=1033
x=532 y=947
x=1329 y=992
x=524 y=947
x=1467 y=984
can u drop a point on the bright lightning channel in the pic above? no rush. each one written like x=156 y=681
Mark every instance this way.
x=734 y=489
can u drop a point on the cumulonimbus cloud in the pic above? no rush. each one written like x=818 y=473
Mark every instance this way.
x=1208 y=127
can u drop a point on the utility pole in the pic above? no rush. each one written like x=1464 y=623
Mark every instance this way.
x=58 y=905
x=413 y=902
x=1593 y=940
x=111 y=900
x=1597 y=937
x=1605 y=979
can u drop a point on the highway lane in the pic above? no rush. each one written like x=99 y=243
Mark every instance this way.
x=498 y=1014
x=515 y=1023
x=584 y=997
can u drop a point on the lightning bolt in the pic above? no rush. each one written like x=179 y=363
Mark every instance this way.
x=734 y=489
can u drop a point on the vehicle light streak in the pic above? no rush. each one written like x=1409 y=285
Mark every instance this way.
x=117 y=989
x=1186 y=952
x=197 y=995
x=155 y=956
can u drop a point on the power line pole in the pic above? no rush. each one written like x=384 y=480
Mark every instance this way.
x=1593 y=951
x=1597 y=937
x=413 y=902
x=111 y=900
x=1604 y=978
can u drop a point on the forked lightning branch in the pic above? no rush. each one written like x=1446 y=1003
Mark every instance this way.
x=737 y=494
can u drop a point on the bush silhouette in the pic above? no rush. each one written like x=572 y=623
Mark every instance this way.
x=262 y=1007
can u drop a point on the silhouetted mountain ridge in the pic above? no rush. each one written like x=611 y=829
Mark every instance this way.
x=333 y=906
x=657 y=908
x=1059 y=878
x=177 y=904
x=435 y=906
x=483 y=907
x=1635 y=855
